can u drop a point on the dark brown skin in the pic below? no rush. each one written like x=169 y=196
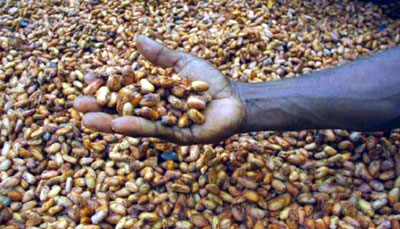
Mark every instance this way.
x=224 y=115
x=362 y=95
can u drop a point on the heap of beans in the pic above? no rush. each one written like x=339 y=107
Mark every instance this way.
x=55 y=173
x=172 y=99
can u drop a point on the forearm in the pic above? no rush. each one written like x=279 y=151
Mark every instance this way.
x=361 y=95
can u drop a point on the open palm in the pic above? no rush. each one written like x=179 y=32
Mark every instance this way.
x=224 y=115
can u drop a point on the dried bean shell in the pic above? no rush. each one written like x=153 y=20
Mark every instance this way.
x=196 y=116
x=178 y=91
x=175 y=102
x=103 y=95
x=114 y=83
x=169 y=120
x=146 y=86
x=199 y=86
x=92 y=88
x=127 y=109
x=184 y=121
x=149 y=113
x=150 y=100
x=128 y=76
x=195 y=103
x=112 y=102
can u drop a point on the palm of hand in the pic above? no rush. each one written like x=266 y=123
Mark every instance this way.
x=224 y=115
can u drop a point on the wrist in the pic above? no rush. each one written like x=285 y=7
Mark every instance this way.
x=240 y=93
x=272 y=106
x=257 y=100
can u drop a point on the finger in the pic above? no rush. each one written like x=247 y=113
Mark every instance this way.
x=86 y=104
x=140 y=127
x=136 y=127
x=162 y=56
x=98 y=121
x=90 y=77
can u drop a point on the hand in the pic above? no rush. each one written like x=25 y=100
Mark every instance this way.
x=224 y=115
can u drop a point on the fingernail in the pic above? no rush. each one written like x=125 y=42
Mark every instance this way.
x=98 y=121
x=140 y=37
x=86 y=104
x=114 y=123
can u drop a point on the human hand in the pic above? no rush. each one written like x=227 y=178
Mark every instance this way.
x=224 y=114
